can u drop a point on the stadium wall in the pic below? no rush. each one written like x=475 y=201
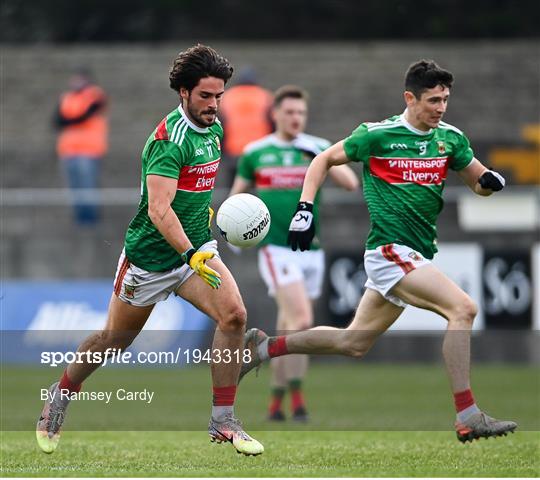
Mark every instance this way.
x=496 y=92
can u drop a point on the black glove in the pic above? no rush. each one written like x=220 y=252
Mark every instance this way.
x=302 y=228
x=491 y=180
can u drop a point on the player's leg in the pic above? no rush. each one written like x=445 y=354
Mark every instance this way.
x=226 y=308
x=278 y=379
x=278 y=389
x=124 y=322
x=312 y=266
x=295 y=314
x=284 y=273
x=373 y=317
x=272 y=274
x=430 y=289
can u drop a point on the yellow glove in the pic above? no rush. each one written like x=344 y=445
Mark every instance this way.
x=210 y=216
x=197 y=261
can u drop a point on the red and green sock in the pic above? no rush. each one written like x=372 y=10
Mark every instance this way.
x=297 y=396
x=276 y=399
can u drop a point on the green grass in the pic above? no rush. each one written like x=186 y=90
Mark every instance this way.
x=312 y=454
x=366 y=420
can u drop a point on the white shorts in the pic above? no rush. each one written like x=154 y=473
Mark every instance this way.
x=387 y=265
x=141 y=288
x=280 y=266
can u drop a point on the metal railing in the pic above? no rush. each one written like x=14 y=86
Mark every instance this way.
x=47 y=197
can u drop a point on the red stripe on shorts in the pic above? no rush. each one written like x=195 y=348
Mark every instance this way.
x=390 y=254
x=268 y=258
x=121 y=274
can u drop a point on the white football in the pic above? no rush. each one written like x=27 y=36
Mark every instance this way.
x=243 y=220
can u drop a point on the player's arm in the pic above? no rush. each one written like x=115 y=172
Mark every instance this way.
x=240 y=185
x=318 y=169
x=480 y=179
x=161 y=192
x=302 y=228
x=345 y=177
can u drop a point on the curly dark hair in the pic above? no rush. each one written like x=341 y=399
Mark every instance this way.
x=195 y=63
x=426 y=74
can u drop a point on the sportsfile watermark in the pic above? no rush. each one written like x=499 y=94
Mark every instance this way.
x=116 y=356
x=164 y=381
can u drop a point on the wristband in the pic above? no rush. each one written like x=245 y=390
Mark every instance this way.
x=186 y=256
x=305 y=206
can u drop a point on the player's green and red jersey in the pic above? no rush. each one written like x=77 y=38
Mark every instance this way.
x=178 y=149
x=404 y=173
x=277 y=168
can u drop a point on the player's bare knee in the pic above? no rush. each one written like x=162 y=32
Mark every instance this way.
x=233 y=319
x=464 y=312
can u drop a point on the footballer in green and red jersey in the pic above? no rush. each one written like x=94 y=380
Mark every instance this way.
x=405 y=159
x=404 y=174
x=167 y=247
x=182 y=150
x=277 y=168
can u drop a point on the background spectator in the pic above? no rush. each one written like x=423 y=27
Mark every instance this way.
x=82 y=141
x=245 y=114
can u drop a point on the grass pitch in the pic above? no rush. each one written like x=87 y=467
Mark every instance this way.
x=288 y=454
x=345 y=401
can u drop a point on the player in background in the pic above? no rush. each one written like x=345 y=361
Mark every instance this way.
x=276 y=166
x=167 y=242
x=405 y=161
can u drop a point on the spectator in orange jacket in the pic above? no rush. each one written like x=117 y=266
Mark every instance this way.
x=245 y=114
x=82 y=140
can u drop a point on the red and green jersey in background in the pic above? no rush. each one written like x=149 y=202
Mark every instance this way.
x=404 y=174
x=178 y=149
x=277 y=168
